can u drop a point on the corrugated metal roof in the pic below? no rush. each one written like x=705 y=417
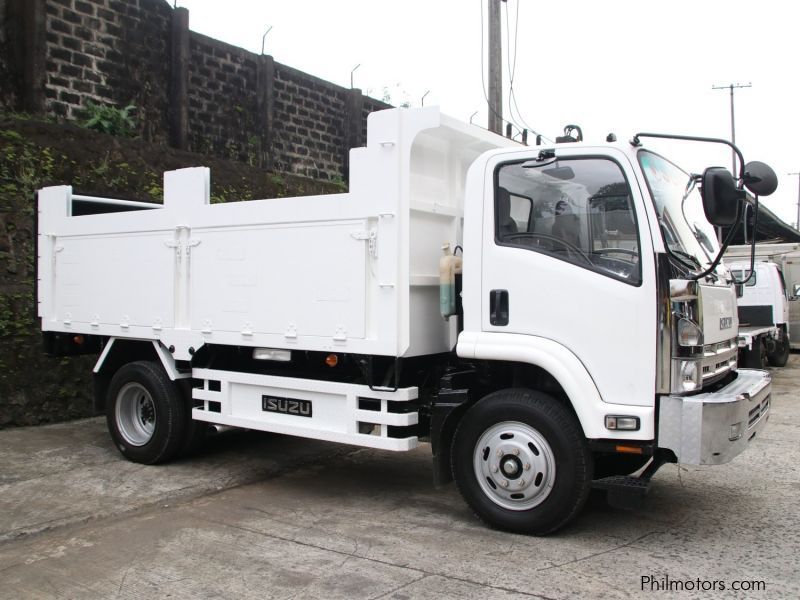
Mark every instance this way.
x=770 y=229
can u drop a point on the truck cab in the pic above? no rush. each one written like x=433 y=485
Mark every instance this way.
x=763 y=310
x=580 y=269
x=787 y=257
x=582 y=252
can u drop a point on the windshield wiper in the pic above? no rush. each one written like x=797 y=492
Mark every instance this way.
x=702 y=239
x=692 y=262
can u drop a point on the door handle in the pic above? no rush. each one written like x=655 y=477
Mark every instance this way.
x=498 y=307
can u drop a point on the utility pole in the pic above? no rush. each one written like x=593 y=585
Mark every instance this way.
x=797 y=226
x=495 y=69
x=731 y=87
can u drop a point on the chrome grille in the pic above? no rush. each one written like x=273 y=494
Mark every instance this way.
x=757 y=412
x=718 y=358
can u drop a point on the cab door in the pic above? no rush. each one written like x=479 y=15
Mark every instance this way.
x=567 y=256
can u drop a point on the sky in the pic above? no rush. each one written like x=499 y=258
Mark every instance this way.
x=620 y=66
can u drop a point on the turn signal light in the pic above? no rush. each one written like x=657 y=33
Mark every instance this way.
x=332 y=360
x=629 y=449
x=78 y=340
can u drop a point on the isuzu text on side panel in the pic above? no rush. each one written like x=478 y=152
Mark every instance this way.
x=548 y=318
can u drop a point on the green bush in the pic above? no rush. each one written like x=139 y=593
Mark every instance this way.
x=110 y=119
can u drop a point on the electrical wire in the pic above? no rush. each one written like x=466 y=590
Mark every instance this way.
x=483 y=78
x=511 y=65
x=512 y=70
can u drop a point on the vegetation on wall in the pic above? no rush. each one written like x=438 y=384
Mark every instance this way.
x=33 y=154
x=110 y=119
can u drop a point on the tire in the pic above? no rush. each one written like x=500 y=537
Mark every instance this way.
x=527 y=432
x=755 y=357
x=780 y=356
x=146 y=413
x=196 y=434
x=196 y=431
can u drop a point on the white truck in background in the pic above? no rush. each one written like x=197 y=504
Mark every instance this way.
x=593 y=332
x=787 y=257
x=763 y=310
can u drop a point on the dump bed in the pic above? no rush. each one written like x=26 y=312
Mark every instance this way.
x=354 y=272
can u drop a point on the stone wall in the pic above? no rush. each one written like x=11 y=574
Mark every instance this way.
x=222 y=99
x=190 y=91
x=9 y=79
x=310 y=118
x=109 y=52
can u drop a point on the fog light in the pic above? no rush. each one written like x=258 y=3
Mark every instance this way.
x=736 y=431
x=272 y=354
x=686 y=376
x=622 y=423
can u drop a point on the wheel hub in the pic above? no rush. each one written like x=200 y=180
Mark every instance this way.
x=514 y=465
x=511 y=466
x=135 y=414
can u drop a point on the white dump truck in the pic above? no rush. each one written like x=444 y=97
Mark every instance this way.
x=547 y=318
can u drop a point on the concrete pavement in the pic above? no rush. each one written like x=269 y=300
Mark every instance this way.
x=262 y=516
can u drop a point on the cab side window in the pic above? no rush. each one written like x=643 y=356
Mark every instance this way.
x=576 y=210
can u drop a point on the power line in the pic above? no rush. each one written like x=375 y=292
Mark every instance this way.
x=512 y=69
x=511 y=64
x=492 y=110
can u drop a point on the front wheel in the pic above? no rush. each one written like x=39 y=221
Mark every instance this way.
x=145 y=413
x=521 y=462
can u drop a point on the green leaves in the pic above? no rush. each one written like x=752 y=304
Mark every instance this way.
x=110 y=119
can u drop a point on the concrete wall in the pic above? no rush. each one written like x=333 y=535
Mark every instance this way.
x=190 y=91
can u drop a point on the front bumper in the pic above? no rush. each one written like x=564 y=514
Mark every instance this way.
x=714 y=428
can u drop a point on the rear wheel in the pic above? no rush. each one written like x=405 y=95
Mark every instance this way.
x=780 y=355
x=521 y=462
x=755 y=357
x=146 y=414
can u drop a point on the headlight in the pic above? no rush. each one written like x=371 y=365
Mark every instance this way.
x=689 y=333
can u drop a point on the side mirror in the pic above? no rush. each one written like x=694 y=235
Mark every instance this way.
x=759 y=178
x=721 y=197
x=796 y=290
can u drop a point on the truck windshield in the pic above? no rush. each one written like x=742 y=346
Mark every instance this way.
x=686 y=231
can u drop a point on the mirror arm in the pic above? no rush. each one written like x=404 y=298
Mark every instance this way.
x=753 y=240
x=717 y=260
x=689 y=138
x=727 y=242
